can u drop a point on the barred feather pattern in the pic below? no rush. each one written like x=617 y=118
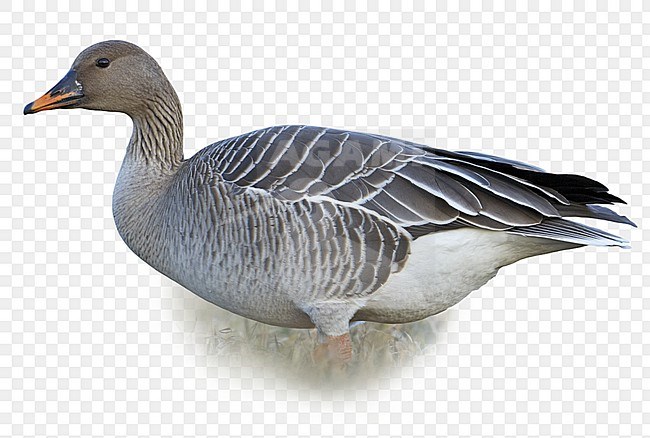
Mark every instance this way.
x=412 y=185
x=222 y=242
x=313 y=221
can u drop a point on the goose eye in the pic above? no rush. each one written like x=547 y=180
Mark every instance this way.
x=102 y=62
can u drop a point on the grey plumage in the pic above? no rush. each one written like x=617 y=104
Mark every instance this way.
x=302 y=226
x=407 y=183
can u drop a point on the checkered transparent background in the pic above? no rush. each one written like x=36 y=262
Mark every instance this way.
x=95 y=343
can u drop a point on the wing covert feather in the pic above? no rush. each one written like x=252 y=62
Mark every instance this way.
x=405 y=183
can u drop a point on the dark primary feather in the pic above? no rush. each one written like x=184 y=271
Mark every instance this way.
x=417 y=187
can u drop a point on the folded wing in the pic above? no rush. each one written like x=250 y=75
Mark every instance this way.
x=416 y=187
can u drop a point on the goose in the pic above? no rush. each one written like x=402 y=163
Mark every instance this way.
x=303 y=226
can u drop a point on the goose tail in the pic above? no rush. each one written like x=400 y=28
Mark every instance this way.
x=571 y=232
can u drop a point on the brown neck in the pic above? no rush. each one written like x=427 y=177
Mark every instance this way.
x=157 y=138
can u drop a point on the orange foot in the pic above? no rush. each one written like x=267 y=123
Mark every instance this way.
x=336 y=350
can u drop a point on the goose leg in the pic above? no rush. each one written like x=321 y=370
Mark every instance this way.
x=332 y=319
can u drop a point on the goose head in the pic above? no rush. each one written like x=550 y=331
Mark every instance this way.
x=108 y=76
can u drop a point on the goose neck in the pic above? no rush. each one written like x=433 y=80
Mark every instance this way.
x=157 y=139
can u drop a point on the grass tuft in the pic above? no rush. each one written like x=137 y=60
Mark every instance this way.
x=377 y=348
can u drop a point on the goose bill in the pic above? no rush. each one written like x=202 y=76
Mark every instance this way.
x=63 y=95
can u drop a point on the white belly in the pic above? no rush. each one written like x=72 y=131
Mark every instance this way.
x=444 y=268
